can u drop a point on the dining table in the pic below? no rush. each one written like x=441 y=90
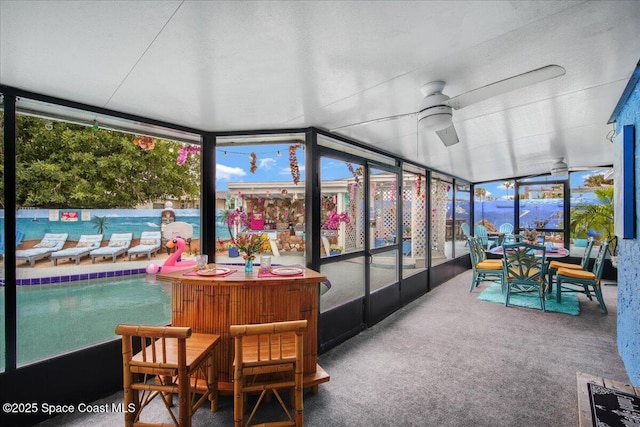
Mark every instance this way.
x=552 y=253
x=549 y=253
x=212 y=299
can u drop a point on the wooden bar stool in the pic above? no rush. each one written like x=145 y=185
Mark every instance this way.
x=268 y=358
x=182 y=363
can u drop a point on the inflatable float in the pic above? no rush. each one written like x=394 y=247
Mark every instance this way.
x=172 y=263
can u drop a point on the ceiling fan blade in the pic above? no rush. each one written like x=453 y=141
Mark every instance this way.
x=380 y=120
x=506 y=85
x=448 y=135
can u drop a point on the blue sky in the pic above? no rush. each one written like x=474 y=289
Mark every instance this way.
x=498 y=190
x=271 y=167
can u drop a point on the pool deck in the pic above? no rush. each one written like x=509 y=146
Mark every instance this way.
x=50 y=274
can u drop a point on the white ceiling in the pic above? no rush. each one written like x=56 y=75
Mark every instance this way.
x=220 y=66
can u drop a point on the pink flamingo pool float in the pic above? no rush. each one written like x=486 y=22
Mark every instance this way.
x=172 y=263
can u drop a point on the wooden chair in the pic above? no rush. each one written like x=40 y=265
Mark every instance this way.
x=182 y=363
x=483 y=269
x=524 y=269
x=576 y=280
x=268 y=358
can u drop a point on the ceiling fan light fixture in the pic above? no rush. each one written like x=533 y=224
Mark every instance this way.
x=435 y=118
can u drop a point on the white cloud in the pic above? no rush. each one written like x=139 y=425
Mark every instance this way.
x=266 y=163
x=228 y=173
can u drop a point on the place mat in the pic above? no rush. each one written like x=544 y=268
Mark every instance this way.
x=195 y=273
x=613 y=408
x=269 y=273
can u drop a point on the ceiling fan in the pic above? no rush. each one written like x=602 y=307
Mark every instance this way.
x=561 y=168
x=435 y=113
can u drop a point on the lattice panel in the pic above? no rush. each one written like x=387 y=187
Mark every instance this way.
x=438 y=216
x=354 y=230
x=413 y=215
x=384 y=203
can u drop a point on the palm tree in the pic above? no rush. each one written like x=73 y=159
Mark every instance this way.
x=223 y=218
x=507 y=186
x=596 y=217
x=596 y=181
x=100 y=223
x=481 y=193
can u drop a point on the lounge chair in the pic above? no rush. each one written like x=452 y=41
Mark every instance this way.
x=50 y=243
x=149 y=244
x=118 y=245
x=19 y=237
x=86 y=244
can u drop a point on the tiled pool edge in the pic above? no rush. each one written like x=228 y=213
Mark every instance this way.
x=76 y=277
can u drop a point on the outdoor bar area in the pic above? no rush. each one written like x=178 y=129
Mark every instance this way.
x=200 y=256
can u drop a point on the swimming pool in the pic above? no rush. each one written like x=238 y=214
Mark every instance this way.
x=57 y=318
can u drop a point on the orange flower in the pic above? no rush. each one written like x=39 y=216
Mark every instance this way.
x=250 y=244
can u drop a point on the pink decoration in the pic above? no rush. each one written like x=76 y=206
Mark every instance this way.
x=172 y=263
x=152 y=268
x=238 y=217
x=334 y=219
x=393 y=191
x=184 y=152
x=293 y=163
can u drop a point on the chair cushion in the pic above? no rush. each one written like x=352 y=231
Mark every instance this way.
x=560 y=264
x=578 y=274
x=485 y=265
x=48 y=244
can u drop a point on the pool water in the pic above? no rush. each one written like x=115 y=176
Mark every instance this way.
x=53 y=319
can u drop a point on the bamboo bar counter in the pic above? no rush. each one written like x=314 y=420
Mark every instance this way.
x=211 y=304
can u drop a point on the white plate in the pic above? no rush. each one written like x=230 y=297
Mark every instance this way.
x=286 y=271
x=213 y=271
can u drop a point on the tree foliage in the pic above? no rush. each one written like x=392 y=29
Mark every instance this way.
x=597 y=217
x=73 y=166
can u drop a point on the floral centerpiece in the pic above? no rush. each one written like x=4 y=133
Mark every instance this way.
x=250 y=245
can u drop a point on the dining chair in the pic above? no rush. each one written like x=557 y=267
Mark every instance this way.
x=513 y=238
x=182 y=363
x=506 y=228
x=483 y=269
x=481 y=232
x=584 y=263
x=575 y=280
x=464 y=227
x=524 y=269
x=268 y=358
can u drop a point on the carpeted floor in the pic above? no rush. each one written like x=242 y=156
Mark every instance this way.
x=569 y=304
x=449 y=359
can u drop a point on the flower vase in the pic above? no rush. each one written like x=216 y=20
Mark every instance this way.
x=248 y=265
